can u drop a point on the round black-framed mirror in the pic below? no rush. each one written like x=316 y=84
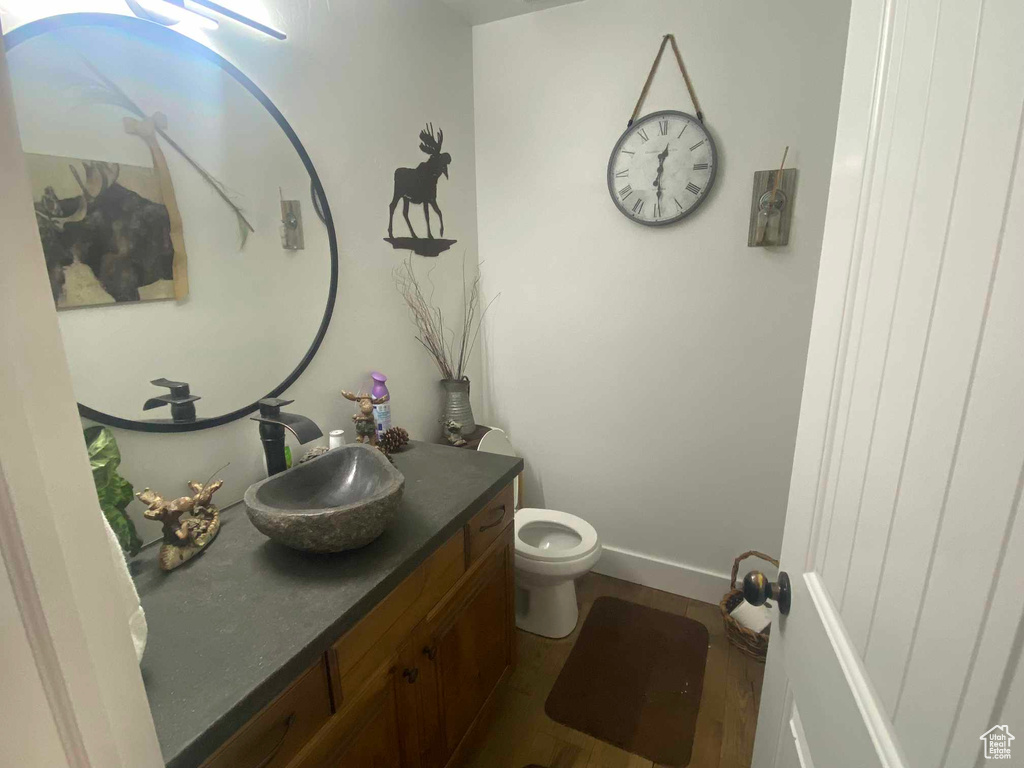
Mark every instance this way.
x=162 y=36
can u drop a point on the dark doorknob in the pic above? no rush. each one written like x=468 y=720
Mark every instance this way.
x=757 y=589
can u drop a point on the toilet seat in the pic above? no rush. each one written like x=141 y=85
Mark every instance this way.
x=576 y=525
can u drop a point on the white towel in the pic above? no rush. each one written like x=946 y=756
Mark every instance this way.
x=134 y=616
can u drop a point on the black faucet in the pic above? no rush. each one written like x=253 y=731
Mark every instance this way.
x=183 y=404
x=273 y=423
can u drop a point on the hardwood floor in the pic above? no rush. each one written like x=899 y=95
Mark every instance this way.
x=521 y=734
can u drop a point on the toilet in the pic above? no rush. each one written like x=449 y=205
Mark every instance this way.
x=553 y=549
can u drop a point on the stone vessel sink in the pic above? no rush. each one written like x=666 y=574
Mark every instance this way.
x=341 y=500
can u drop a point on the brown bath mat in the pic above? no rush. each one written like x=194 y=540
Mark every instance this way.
x=634 y=680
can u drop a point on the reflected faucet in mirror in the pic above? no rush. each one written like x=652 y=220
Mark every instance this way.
x=183 y=404
x=273 y=423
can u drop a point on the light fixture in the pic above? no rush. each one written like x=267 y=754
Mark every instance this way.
x=170 y=12
x=217 y=7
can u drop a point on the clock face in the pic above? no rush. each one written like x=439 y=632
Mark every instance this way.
x=662 y=168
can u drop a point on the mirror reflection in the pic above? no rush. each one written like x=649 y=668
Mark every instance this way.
x=179 y=239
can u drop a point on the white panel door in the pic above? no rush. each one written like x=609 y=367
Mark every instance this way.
x=67 y=652
x=904 y=525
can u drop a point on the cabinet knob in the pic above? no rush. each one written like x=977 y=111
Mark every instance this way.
x=757 y=589
x=411 y=674
x=430 y=651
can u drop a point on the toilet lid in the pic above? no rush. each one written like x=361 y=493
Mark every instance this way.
x=575 y=525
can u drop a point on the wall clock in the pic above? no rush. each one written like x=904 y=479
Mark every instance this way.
x=662 y=168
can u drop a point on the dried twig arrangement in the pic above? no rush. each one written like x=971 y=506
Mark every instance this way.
x=103 y=90
x=450 y=347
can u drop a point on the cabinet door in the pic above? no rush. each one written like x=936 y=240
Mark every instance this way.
x=374 y=744
x=278 y=733
x=372 y=731
x=472 y=645
x=424 y=698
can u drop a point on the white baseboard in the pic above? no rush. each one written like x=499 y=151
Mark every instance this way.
x=666 y=575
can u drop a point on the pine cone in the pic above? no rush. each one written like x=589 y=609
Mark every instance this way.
x=393 y=440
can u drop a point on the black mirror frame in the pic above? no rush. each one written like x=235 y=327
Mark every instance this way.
x=161 y=34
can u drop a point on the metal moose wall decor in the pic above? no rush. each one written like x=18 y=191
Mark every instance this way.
x=419 y=186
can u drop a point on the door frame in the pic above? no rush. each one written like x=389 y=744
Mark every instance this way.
x=859 y=138
x=52 y=539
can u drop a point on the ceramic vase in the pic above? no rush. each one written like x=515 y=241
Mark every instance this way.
x=456 y=404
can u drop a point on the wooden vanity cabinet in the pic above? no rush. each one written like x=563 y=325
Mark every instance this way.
x=488 y=524
x=410 y=682
x=279 y=732
x=470 y=639
x=370 y=732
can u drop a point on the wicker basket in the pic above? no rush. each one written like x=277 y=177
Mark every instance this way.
x=753 y=644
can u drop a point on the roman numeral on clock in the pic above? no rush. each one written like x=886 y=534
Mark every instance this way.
x=642 y=134
x=625 y=192
x=692 y=188
x=638 y=206
x=622 y=174
x=663 y=127
x=657 y=210
x=696 y=145
x=700 y=166
x=683 y=131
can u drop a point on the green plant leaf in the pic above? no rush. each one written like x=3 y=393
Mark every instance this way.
x=118 y=493
x=113 y=491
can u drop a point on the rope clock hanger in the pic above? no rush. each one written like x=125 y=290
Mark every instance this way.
x=664 y=164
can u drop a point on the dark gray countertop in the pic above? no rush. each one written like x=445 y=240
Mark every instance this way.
x=233 y=628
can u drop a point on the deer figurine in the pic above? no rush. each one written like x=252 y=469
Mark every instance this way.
x=419 y=185
x=366 y=431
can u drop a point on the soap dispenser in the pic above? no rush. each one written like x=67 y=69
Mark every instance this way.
x=381 y=411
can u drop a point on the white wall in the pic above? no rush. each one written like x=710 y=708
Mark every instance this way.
x=651 y=377
x=483 y=11
x=357 y=81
